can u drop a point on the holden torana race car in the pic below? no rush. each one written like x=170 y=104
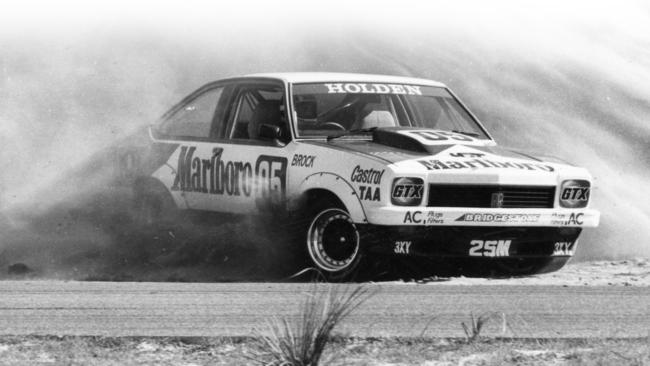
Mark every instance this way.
x=365 y=166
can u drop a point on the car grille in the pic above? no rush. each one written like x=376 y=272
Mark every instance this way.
x=454 y=195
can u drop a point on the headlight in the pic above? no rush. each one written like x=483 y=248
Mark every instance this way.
x=407 y=191
x=574 y=193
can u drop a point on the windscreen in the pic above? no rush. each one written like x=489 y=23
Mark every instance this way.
x=330 y=109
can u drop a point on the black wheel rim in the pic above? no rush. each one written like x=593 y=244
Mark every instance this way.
x=333 y=240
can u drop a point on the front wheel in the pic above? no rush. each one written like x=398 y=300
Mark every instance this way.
x=334 y=244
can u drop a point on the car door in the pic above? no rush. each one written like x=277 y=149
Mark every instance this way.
x=221 y=162
x=252 y=169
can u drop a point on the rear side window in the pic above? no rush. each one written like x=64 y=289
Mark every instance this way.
x=195 y=118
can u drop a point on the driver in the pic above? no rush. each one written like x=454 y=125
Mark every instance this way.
x=371 y=112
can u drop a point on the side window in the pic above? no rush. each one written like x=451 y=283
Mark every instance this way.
x=195 y=118
x=245 y=106
x=256 y=105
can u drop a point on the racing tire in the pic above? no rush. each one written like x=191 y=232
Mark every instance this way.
x=333 y=243
x=151 y=209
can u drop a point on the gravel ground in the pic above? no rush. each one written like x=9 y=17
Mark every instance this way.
x=632 y=272
x=343 y=351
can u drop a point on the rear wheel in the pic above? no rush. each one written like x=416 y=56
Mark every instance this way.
x=155 y=215
x=150 y=210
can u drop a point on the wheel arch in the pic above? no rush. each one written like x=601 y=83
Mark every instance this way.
x=332 y=186
x=152 y=185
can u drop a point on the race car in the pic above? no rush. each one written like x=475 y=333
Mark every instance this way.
x=364 y=166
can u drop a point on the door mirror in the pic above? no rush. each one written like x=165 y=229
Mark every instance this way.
x=271 y=132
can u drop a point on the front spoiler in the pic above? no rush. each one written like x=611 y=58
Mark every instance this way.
x=437 y=216
x=486 y=242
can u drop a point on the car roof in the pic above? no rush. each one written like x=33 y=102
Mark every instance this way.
x=316 y=77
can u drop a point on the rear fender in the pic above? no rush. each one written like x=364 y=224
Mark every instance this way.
x=152 y=185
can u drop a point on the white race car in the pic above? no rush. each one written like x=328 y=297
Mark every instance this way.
x=364 y=165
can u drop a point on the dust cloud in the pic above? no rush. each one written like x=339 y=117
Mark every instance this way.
x=566 y=81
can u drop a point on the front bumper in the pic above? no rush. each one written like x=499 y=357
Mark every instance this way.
x=471 y=242
x=430 y=216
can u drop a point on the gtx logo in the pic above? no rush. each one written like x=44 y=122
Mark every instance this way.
x=407 y=191
x=579 y=194
x=574 y=193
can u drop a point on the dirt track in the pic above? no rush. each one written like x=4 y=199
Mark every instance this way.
x=234 y=309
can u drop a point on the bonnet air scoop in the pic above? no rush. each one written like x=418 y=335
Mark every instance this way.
x=392 y=137
x=421 y=140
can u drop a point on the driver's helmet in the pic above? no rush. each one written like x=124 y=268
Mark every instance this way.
x=373 y=111
x=306 y=107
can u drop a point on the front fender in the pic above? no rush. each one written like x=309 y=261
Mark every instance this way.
x=338 y=186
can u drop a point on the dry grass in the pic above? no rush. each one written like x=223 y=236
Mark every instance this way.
x=302 y=342
x=106 y=351
x=473 y=330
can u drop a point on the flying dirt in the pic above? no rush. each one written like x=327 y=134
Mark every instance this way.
x=69 y=101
